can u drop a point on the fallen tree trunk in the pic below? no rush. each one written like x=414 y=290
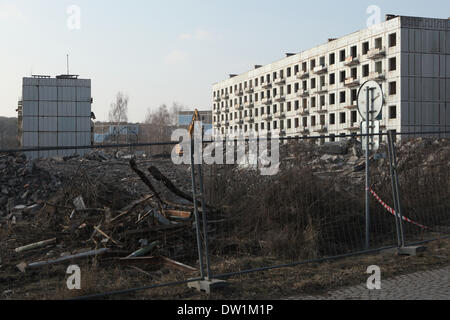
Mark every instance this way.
x=158 y=176
x=67 y=258
x=36 y=245
x=144 y=179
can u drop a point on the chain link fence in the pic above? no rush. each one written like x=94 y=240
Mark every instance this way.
x=313 y=208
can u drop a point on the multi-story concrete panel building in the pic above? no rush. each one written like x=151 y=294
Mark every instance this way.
x=55 y=112
x=314 y=93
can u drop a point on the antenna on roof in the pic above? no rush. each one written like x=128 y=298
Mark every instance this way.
x=68 y=64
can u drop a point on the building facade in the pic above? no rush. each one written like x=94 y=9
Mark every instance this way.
x=55 y=112
x=314 y=93
x=107 y=132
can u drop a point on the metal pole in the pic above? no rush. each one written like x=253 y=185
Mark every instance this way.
x=367 y=170
x=197 y=219
x=397 y=192
x=391 y=165
x=205 y=223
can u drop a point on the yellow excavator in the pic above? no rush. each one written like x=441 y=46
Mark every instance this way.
x=195 y=118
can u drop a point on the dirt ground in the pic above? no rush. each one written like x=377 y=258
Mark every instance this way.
x=310 y=279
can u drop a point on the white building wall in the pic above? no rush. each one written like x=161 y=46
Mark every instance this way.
x=235 y=109
x=56 y=112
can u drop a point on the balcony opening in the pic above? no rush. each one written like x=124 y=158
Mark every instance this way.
x=322 y=81
x=289 y=106
x=354 y=94
x=289 y=89
x=313 y=83
x=354 y=51
x=322 y=120
x=365 y=70
x=378 y=43
x=392 y=88
x=296 y=123
x=296 y=69
x=322 y=61
x=305 y=121
x=392 y=40
x=342 y=76
x=313 y=121
x=354 y=73
x=342 y=55
x=304 y=67
x=393 y=64
x=313 y=64
x=332 y=58
x=342 y=118
x=313 y=102
x=296 y=87
x=365 y=48
x=288 y=72
x=332 y=78
x=332 y=119
x=379 y=67
x=305 y=85
x=392 y=112
x=304 y=104
x=354 y=117
x=289 y=124
x=342 y=97
x=332 y=98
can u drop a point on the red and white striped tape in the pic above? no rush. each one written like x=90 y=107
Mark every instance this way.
x=392 y=211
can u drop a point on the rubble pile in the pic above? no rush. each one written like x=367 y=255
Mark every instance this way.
x=22 y=185
x=54 y=210
x=347 y=159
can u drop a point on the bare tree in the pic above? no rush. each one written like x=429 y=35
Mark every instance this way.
x=158 y=125
x=119 y=111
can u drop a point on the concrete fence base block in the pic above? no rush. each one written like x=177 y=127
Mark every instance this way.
x=207 y=286
x=411 y=251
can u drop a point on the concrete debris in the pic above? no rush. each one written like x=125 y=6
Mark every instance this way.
x=99 y=201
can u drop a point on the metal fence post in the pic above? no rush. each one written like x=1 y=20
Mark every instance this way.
x=395 y=188
x=205 y=223
x=197 y=219
x=391 y=166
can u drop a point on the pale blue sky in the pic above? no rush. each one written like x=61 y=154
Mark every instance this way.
x=169 y=51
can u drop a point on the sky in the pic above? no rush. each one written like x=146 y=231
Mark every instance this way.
x=161 y=52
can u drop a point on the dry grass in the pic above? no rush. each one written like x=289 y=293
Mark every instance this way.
x=307 y=279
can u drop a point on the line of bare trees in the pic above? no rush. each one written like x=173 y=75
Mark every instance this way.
x=158 y=124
